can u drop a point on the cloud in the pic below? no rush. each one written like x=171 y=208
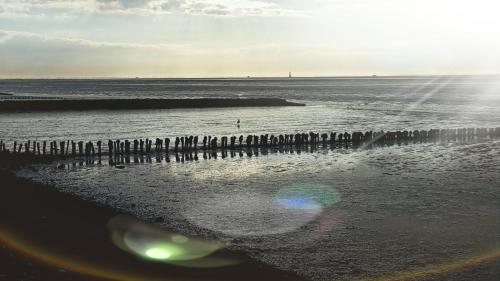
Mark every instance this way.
x=24 y=54
x=147 y=7
x=28 y=55
x=19 y=36
x=122 y=4
x=198 y=7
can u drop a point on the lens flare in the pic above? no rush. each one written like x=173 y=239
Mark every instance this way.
x=153 y=243
x=55 y=258
x=298 y=202
x=158 y=253
x=308 y=195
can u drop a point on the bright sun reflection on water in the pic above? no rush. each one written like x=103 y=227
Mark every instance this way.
x=204 y=171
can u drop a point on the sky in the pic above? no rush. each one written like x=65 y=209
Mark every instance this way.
x=239 y=38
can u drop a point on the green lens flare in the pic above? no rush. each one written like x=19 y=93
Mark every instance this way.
x=158 y=253
x=155 y=244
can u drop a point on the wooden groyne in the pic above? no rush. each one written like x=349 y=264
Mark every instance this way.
x=11 y=105
x=71 y=148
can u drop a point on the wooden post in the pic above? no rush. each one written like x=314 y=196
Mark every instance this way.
x=110 y=147
x=62 y=147
x=167 y=144
x=136 y=145
x=80 y=147
x=214 y=143
x=233 y=140
x=127 y=147
x=99 y=143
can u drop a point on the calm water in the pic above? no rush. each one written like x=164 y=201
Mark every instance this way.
x=333 y=104
x=335 y=214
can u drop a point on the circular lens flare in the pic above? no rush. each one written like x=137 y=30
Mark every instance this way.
x=297 y=202
x=158 y=253
x=308 y=195
x=153 y=243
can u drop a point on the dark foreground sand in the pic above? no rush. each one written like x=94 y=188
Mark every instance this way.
x=47 y=235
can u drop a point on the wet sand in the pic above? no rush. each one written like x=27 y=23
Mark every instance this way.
x=414 y=210
x=120 y=104
x=59 y=227
x=48 y=235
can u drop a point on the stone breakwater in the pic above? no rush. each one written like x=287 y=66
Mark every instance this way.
x=13 y=105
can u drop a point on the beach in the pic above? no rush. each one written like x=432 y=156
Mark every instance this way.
x=63 y=237
x=398 y=210
x=249 y=140
x=67 y=231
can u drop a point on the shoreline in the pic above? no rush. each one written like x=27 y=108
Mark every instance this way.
x=12 y=105
x=51 y=235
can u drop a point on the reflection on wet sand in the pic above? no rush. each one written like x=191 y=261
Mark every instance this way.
x=331 y=214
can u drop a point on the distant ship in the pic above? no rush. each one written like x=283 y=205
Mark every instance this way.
x=289 y=74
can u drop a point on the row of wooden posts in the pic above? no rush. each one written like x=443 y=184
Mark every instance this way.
x=190 y=143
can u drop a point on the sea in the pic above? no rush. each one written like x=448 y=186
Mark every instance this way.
x=423 y=210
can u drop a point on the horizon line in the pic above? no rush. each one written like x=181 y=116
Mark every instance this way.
x=243 y=77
